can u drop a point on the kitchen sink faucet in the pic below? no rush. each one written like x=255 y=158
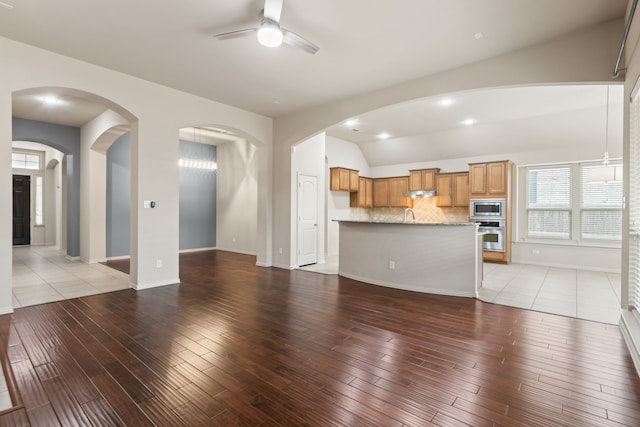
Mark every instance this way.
x=413 y=214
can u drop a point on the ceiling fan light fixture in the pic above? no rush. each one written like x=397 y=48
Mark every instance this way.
x=270 y=34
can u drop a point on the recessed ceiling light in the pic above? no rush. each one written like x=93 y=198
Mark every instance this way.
x=478 y=35
x=51 y=100
x=469 y=122
x=351 y=122
x=445 y=102
x=383 y=135
x=6 y=5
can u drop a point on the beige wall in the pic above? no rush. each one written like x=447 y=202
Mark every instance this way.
x=158 y=113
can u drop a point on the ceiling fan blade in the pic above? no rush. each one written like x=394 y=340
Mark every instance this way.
x=235 y=34
x=292 y=39
x=273 y=9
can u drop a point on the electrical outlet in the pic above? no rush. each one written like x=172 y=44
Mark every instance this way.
x=536 y=251
x=392 y=265
x=158 y=263
x=280 y=251
x=233 y=239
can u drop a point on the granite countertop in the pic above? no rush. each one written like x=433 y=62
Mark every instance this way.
x=363 y=221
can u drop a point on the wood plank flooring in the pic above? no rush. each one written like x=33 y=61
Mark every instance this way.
x=236 y=344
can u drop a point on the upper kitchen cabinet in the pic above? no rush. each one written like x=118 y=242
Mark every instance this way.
x=343 y=179
x=461 y=189
x=391 y=192
x=452 y=189
x=422 y=179
x=364 y=197
x=489 y=180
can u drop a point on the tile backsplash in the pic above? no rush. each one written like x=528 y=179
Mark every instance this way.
x=424 y=207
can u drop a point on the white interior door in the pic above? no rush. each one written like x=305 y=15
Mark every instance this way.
x=307 y=219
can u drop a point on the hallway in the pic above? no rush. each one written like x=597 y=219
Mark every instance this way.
x=41 y=274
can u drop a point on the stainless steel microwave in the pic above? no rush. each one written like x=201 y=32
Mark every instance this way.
x=487 y=208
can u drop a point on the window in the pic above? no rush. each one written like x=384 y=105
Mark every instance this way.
x=601 y=208
x=549 y=203
x=25 y=161
x=38 y=207
x=580 y=201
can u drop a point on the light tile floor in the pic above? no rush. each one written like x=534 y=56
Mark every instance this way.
x=589 y=295
x=41 y=274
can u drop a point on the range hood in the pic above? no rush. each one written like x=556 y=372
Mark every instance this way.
x=420 y=193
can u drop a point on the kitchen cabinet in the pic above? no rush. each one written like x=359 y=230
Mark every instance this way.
x=398 y=188
x=452 y=189
x=444 y=188
x=422 y=179
x=364 y=197
x=344 y=179
x=380 y=192
x=461 y=189
x=490 y=180
x=390 y=192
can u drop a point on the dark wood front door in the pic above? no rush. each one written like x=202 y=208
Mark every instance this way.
x=21 y=210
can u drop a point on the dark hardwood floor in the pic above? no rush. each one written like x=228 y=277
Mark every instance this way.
x=236 y=344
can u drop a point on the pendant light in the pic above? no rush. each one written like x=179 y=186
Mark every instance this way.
x=606 y=173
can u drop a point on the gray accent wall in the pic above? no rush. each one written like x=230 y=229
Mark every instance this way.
x=119 y=197
x=197 y=198
x=67 y=140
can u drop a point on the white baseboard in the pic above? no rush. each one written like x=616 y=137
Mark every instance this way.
x=73 y=258
x=155 y=285
x=568 y=266
x=263 y=264
x=6 y=310
x=186 y=251
x=284 y=266
x=237 y=251
x=118 y=258
x=630 y=328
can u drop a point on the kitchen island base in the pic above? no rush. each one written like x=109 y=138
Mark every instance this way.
x=423 y=257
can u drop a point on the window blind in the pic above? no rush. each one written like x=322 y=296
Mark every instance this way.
x=634 y=208
x=601 y=201
x=549 y=203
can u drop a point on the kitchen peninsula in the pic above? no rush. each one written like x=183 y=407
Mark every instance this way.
x=438 y=258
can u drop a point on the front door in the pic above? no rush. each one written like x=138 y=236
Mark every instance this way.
x=307 y=219
x=21 y=210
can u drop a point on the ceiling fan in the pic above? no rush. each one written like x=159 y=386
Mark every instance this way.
x=270 y=33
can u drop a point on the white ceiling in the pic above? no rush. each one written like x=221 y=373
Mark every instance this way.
x=364 y=46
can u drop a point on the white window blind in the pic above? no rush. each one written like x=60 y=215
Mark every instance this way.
x=549 y=203
x=634 y=208
x=601 y=202
x=25 y=161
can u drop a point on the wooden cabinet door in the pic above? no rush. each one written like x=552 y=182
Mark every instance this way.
x=461 y=189
x=415 y=180
x=354 y=180
x=344 y=179
x=444 y=184
x=477 y=179
x=497 y=178
x=429 y=179
x=398 y=188
x=380 y=192
x=368 y=200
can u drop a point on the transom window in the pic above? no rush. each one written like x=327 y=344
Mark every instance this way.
x=25 y=161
